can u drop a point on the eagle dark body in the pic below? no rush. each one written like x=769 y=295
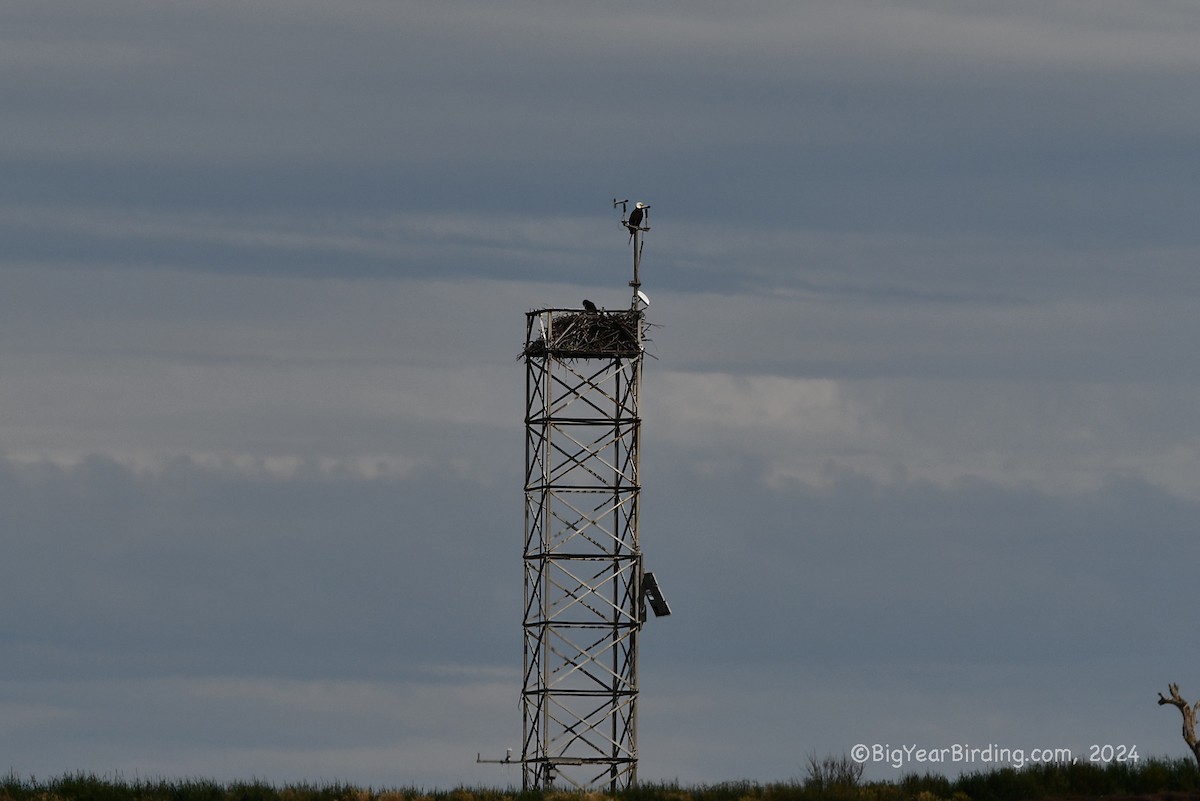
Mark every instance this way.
x=635 y=218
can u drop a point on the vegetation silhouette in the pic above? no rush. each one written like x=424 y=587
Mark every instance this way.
x=827 y=779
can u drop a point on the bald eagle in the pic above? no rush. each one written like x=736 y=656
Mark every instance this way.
x=588 y=305
x=635 y=217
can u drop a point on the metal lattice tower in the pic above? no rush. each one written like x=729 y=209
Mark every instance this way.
x=585 y=588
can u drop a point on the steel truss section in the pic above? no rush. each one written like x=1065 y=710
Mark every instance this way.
x=583 y=562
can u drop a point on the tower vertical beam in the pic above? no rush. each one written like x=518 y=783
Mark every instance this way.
x=583 y=561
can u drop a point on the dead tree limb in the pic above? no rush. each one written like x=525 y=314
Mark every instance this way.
x=1189 y=718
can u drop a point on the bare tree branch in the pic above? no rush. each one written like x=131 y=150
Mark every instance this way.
x=1189 y=717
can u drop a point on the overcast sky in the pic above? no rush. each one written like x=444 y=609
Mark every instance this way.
x=921 y=453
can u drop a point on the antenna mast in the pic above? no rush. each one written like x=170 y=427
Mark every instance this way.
x=586 y=593
x=637 y=223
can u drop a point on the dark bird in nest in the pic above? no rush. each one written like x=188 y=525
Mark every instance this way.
x=635 y=217
x=588 y=305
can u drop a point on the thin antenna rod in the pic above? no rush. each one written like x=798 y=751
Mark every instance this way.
x=636 y=223
x=636 y=283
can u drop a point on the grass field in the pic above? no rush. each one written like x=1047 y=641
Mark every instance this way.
x=1149 y=779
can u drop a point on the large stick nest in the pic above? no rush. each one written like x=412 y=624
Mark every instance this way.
x=590 y=335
